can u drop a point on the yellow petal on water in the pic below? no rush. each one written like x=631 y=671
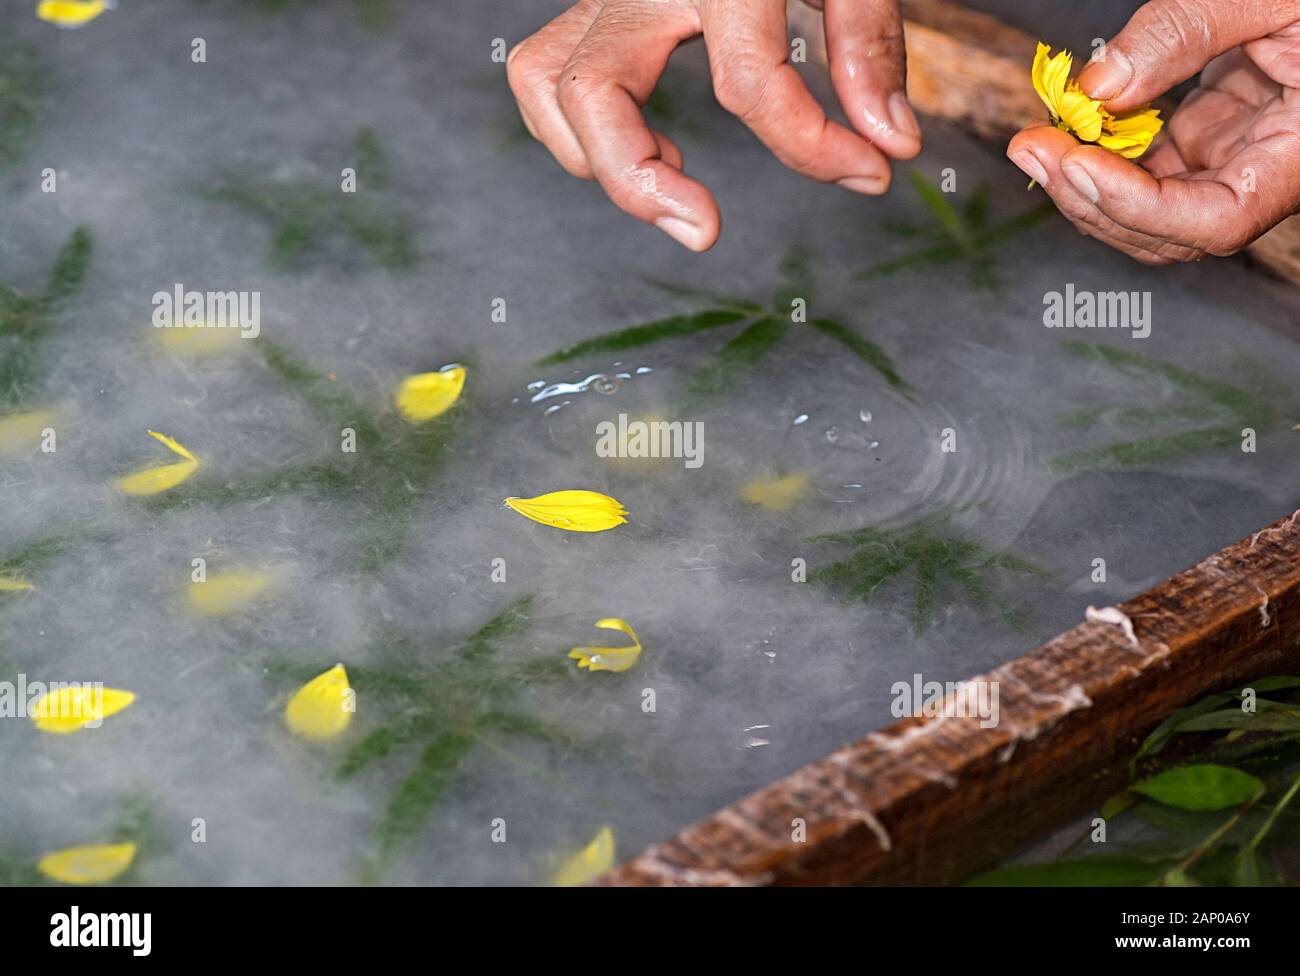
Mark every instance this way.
x=589 y=863
x=615 y=659
x=776 y=494
x=427 y=395
x=21 y=432
x=199 y=341
x=574 y=510
x=322 y=708
x=70 y=13
x=12 y=584
x=94 y=864
x=152 y=481
x=67 y=710
x=225 y=593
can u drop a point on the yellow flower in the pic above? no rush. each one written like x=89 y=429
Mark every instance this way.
x=323 y=707
x=71 y=13
x=227 y=592
x=199 y=342
x=609 y=658
x=1085 y=118
x=776 y=494
x=151 y=481
x=67 y=710
x=21 y=432
x=573 y=510
x=87 y=865
x=12 y=584
x=589 y=863
x=427 y=395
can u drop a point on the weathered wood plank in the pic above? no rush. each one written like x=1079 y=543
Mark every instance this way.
x=930 y=800
x=971 y=68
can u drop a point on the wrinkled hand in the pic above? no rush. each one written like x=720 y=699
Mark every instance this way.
x=1227 y=167
x=581 y=82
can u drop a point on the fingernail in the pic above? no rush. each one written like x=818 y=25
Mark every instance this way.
x=1081 y=181
x=862 y=184
x=1107 y=78
x=682 y=231
x=903 y=117
x=1031 y=167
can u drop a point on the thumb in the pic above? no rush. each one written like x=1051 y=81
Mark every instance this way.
x=1168 y=41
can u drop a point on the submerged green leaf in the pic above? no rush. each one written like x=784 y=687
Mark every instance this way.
x=1201 y=787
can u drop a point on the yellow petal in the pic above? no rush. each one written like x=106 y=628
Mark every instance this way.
x=21 y=432
x=589 y=863
x=67 y=710
x=151 y=481
x=70 y=13
x=574 y=510
x=323 y=707
x=225 y=593
x=12 y=584
x=87 y=865
x=199 y=341
x=615 y=659
x=776 y=494
x=1130 y=134
x=1080 y=114
x=427 y=395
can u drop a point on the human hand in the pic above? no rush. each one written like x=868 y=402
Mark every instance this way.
x=1227 y=167
x=581 y=82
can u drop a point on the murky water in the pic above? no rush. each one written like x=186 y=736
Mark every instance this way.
x=389 y=558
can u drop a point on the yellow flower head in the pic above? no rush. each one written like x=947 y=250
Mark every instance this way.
x=71 y=13
x=160 y=478
x=1085 y=118
x=609 y=658
x=75 y=707
x=87 y=865
x=589 y=863
x=323 y=707
x=574 y=510
x=427 y=395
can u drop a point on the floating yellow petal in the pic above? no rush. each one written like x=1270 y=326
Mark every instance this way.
x=776 y=494
x=323 y=707
x=574 y=510
x=1085 y=118
x=199 y=341
x=152 y=481
x=67 y=710
x=12 y=584
x=21 y=432
x=87 y=865
x=427 y=395
x=609 y=658
x=226 y=593
x=589 y=863
x=71 y=13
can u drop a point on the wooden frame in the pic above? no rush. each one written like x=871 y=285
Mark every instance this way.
x=930 y=800
x=971 y=68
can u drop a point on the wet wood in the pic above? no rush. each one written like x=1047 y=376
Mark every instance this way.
x=971 y=68
x=931 y=800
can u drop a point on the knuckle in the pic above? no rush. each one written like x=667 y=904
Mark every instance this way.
x=520 y=70
x=576 y=87
x=739 y=83
x=1175 y=28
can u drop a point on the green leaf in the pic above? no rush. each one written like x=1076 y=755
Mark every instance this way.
x=1152 y=450
x=416 y=795
x=644 y=335
x=1086 y=872
x=1201 y=787
x=796 y=280
x=69 y=271
x=703 y=294
x=937 y=202
x=742 y=353
x=870 y=353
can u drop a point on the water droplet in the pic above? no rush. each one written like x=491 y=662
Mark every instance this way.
x=873 y=445
x=642 y=370
x=801 y=419
x=536 y=385
x=832 y=434
x=755 y=742
x=864 y=416
x=605 y=385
